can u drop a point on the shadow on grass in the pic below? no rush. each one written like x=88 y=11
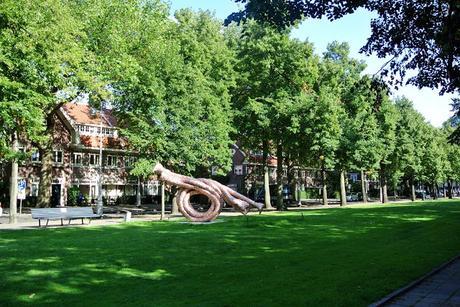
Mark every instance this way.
x=350 y=256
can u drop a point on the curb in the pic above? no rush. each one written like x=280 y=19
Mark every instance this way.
x=408 y=287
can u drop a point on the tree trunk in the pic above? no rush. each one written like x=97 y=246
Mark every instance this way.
x=46 y=174
x=449 y=188
x=412 y=189
x=384 y=187
x=279 y=177
x=13 y=217
x=343 y=192
x=435 y=190
x=163 y=195
x=324 y=191
x=363 y=186
x=385 y=192
x=267 y=200
x=174 y=207
x=138 y=193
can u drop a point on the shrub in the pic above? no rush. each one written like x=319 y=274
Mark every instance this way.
x=72 y=196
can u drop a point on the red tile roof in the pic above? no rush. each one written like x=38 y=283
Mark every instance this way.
x=107 y=142
x=81 y=114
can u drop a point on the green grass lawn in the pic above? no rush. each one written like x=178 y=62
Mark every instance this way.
x=351 y=256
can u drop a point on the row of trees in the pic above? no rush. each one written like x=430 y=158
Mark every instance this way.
x=186 y=88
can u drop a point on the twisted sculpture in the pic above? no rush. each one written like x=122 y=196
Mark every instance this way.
x=216 y=192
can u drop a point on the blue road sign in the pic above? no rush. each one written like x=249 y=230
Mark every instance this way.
x=21 y=184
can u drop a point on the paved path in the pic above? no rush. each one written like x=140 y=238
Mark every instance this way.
x=439 y=289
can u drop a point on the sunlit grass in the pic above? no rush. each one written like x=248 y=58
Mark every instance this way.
x=349 y=256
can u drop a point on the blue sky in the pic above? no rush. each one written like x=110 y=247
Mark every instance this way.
x=354 y=29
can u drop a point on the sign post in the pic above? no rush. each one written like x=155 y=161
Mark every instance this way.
x=21 y=193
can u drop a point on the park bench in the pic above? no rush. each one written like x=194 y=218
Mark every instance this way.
x=63 y=213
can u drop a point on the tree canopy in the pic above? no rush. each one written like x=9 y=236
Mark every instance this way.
x=423 y=36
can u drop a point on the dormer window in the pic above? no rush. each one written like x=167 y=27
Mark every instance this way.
x=96 y=130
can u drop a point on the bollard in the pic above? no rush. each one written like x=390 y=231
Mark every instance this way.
x=128 y=216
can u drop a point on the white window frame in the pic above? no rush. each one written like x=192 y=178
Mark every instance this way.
x=96 y=159
x=56 y=156
x=35 y=158
x=75 y=160
x=34 y=186
x=111 y=161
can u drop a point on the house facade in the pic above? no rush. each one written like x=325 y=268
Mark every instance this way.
x=86 y=148
x=247 y=174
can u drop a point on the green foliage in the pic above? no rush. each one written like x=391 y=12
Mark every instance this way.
x=272 y=71
x=143 y=168
x=40 y=64
x=321 y=130
x=420 y=36
x=72 y=195
x=415 y=34
x=171 y=90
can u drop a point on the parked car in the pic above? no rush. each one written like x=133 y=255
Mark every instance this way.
x=422 y=194
x=288 y=196
x=354 y=197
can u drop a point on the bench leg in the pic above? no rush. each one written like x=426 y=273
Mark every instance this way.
x=47 y=223
x=39 y=223
x=69 y=221
x=82 y=221
x=62 y=222
x=89 y=220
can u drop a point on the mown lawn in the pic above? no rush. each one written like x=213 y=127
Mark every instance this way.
x=344 y=257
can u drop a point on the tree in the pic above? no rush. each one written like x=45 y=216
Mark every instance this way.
x=453 y=158
x=342 y=74
x=321 y=132
x=406 y=157
x=360 y=143
x=174 y=101
x=272 y=72
x=41 y=69
x=434 y=159
x=387 y=117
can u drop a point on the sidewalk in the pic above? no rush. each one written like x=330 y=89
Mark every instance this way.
x=439 y=289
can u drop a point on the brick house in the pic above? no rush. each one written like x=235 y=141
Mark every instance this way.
x=247 y=173
x=79 y=135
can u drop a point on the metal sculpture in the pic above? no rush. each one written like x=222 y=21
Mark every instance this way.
x=216 y=192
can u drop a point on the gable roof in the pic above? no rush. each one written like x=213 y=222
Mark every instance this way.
x=84 y=114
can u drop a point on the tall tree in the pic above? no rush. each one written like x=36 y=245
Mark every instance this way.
x=321 y=132
x=406 y=157
x=42 y=67
x=361 y=132
x=433 y=160
x=342 y=74
x=387 y=117
x=452 y=170
x=174 y=100
x=273 y=70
